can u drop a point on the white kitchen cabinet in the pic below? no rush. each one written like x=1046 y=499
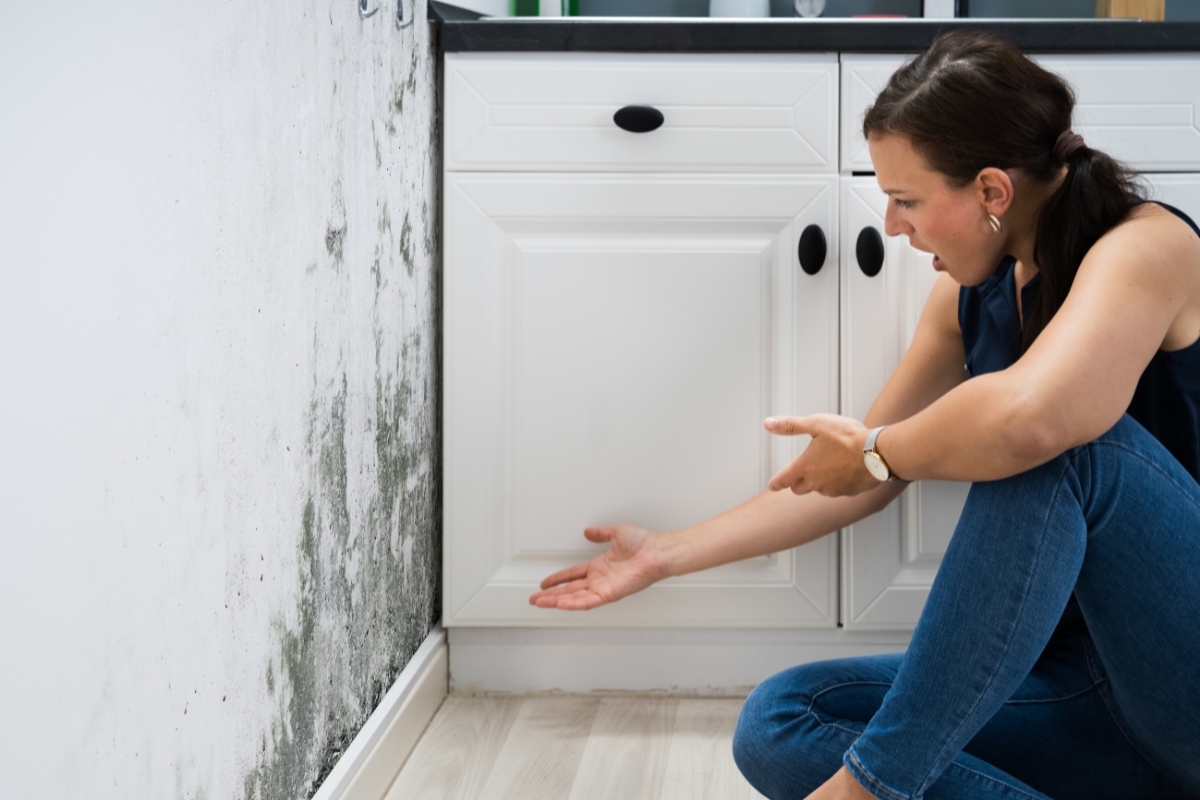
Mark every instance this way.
x=1138 y=108
x=612 y=345
x=622 y=310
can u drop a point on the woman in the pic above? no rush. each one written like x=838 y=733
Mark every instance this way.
x=1059 y=651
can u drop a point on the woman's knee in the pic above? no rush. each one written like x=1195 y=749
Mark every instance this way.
x=785 y=743
x=758 y=724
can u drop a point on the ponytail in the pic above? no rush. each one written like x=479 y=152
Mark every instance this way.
x=1095 y=195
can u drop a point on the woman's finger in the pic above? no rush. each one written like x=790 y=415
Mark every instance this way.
x=580 y=601
x=599 y=534
x=801 y=487
x=564 y=575
x=563 y=588
x=547 y=598
x=790 y=426
x=789 y=476
x=574 y=597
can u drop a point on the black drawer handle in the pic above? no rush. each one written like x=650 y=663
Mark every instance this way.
x=869 y=251
x=812 y=249
x=638 y=119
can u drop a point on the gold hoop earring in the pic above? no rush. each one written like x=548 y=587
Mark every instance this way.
x=995 y=223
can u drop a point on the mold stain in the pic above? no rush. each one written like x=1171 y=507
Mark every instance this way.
x=334 y=237
x=335 y=229
x=427 y=228
x=385 y=220
x=368 y=568
x=406 y=245
x=368 y=539
x=406 y=87
x=384 y=228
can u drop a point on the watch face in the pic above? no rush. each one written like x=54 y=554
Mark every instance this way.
x=876 y=466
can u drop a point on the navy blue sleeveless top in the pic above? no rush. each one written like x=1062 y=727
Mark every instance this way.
x=1167 y=399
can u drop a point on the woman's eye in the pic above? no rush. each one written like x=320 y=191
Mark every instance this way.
x=902 y=203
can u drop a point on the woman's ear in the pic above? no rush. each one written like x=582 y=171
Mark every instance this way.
x=994 y=187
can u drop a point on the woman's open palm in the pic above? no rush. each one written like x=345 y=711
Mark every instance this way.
x=629 y=566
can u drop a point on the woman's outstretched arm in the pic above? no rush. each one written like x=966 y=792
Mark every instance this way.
x=768 y=523
x=772 y=521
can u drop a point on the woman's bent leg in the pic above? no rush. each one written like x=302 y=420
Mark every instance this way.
x=784 y=745
x=1118 y=515
x=796 y=726
x=1139 y=591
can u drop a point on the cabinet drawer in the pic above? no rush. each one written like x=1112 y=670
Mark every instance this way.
x=1140 y=108
x=555 y=111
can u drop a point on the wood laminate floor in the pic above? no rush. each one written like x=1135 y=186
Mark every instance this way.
x=576 y=748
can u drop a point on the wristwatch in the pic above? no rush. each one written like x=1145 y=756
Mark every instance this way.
x=874 y=461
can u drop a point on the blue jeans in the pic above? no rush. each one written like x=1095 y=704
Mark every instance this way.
x=1058 y=653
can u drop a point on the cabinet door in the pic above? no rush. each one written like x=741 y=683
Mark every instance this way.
x=888 y=559
x=612 y=345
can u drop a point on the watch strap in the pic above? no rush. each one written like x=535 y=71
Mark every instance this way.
x=869 y=448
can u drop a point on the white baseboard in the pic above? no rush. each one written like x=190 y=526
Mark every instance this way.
x=374 y=758
x=690 y=661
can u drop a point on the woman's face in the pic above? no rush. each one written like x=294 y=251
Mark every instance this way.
x=936 y=217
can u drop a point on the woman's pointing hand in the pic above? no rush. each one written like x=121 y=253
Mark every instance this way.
x=832 y=464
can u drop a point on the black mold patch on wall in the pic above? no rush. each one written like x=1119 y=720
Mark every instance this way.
x=369 y=582
x=368 y=544
x=333 y=241
x=406 y=244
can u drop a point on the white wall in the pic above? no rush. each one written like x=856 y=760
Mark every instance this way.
x=218 y=432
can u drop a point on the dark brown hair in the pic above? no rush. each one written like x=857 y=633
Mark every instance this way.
x=973 y=101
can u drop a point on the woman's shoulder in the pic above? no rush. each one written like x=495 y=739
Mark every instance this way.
x=1153 y=218
x=1151 y=260
x=1157 y=237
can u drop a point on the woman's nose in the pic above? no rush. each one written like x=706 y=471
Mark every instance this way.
x=891 y=223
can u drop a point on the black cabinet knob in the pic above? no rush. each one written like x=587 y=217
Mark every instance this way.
x=812 y=249
x=869 y=251
x=638 y=119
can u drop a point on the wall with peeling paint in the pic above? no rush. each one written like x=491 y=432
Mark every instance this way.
x=218 y=389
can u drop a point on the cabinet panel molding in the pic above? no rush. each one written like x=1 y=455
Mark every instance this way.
x=1138 y=108
x=889 y=559
x=862 y=79
x=612 y=344
x=554 y=111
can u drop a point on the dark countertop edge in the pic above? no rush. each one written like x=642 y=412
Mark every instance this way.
x=799 y=36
